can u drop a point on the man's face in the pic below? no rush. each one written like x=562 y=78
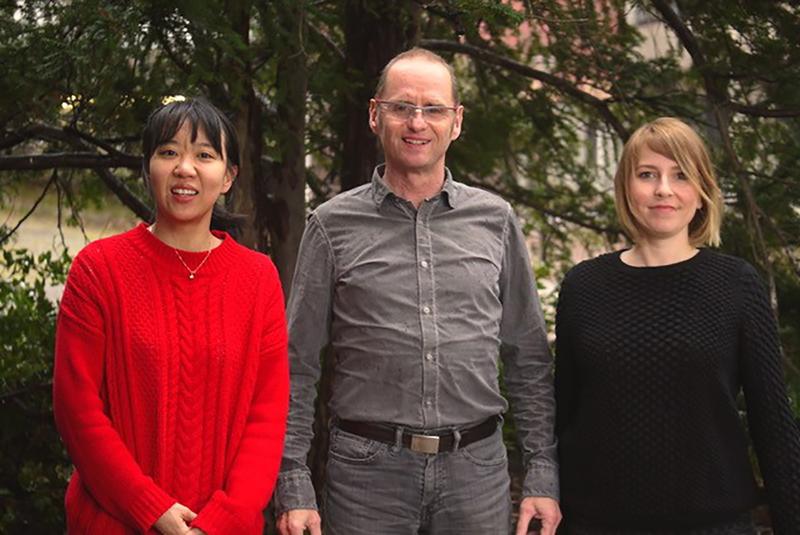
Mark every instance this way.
x=415 y=144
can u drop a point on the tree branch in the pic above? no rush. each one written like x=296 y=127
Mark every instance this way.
x=8 y=234
x=68 y=160
x=519 y=196
x=488 y=56
x=327 y=39
x=759 y=111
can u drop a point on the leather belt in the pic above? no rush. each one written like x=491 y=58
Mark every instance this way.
x=421 y=442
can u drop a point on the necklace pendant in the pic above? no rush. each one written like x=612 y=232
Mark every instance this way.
x=191 y=276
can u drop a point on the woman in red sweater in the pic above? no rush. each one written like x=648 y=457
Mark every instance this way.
x=171 y=374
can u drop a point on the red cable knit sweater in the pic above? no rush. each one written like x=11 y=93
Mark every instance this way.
x=168 y=389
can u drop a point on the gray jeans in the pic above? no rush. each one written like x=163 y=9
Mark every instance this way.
x=377 y=488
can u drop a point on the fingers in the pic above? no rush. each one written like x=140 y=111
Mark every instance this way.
x=283 y=524
x=525 y=517
x=545 y=509
x=175 y=520
x=550 y=523
x=296 y=521
x=186 y=514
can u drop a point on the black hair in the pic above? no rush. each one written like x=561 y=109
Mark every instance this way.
x=166 y=120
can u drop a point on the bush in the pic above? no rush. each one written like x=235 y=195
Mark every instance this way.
x=34 y=468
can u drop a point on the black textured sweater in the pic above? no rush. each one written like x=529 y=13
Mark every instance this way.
x=649 y=365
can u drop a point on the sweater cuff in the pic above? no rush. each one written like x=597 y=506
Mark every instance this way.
x=294 y=491
x=150 y=503
x=541 y=480
x=221 y=516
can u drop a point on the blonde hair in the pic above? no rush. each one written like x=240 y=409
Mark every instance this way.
x=421 y=53
x=674 y=139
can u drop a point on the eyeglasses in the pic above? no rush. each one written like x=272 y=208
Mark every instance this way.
x=405 y=111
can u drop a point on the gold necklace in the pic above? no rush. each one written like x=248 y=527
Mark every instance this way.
x=195 y=270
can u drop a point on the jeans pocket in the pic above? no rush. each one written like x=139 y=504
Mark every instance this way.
x=353 y=449
x=489 y=451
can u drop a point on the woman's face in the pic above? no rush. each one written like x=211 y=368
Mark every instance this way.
x=187 y=177
x=662 y=199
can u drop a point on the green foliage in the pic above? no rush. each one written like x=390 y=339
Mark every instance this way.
x=34 y=467
x=548 y=145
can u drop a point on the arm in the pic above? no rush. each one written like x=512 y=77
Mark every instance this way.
x=528 y=373
x=237 y=508
x=309 y=317
x=106 y=466
x=566 y=378
x=772 y=425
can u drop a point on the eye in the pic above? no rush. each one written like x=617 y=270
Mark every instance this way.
x=166 y=152
x=398 y=107
x=681 y=176
x=435 y=112
x=646 y=174
x=205 y=155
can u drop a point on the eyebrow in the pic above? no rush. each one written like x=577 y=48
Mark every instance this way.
x=173 y=141
x=648 y=166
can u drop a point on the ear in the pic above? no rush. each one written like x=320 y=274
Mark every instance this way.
x=373 y=116
x=456 y=131
x=230 y=175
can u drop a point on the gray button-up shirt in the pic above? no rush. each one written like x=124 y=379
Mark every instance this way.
x=420 y=306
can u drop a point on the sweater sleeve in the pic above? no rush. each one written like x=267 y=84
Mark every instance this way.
x=565 y=381
x=772 y=425
x=106 y=466
x=237 y=508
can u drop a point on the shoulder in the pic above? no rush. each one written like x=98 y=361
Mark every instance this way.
x=722 y=267
x=245 y=259
x=353 y=199
x=587 y=269
x=103 y=250
x=470 y=196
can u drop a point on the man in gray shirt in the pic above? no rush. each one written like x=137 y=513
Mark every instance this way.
x=422 y=285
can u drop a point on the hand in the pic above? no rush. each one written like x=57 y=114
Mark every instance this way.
x=196 y=531
x=545 y=509
x=295 y=522
x=175 y=520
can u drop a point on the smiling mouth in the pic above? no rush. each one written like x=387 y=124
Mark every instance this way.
x=183 y=191
x=416 y=141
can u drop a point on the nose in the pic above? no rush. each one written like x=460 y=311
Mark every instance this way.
x=184 y=166
x=663 y=188
x=416 y=121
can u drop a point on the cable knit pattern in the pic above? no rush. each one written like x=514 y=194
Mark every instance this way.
x=650 y=362
x=168 y=389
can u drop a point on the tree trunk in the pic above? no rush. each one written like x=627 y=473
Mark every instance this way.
x=286 y=217
x=249 y=197
x=375 y=32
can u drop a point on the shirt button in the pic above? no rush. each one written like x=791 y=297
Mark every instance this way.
x=424 y=263
x=426 y=309
x=428 y=403
x=429 y=356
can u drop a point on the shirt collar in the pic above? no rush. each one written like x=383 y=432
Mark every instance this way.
x=380 y=190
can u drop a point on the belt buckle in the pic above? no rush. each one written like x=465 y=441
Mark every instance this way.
x=424 y=443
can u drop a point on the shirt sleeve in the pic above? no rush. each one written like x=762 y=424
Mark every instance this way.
x=309 y=317
x=527 y=365
x=237 y=508
x=106 y=466
x=773 y=427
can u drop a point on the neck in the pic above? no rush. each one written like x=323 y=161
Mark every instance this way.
x=195 y=238
x=414 y=187
x=652 y=253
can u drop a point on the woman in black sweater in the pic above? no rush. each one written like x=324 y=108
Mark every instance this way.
x=653 y=345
